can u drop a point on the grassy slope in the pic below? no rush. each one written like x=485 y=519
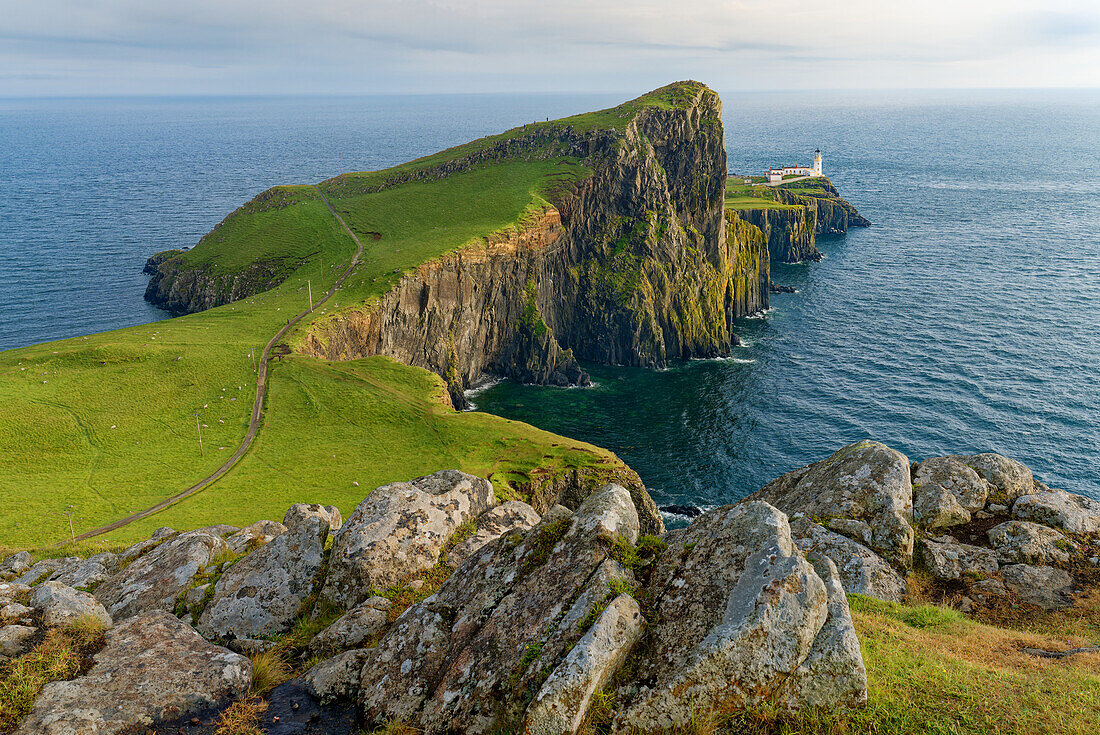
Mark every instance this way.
x=57 y=446
x=744 y=196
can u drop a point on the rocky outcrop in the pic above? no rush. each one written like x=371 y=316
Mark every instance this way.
x=61 y=605
x=790 y=233
x=494 y=523
x=861 y=570
x=153 y=667
x=1067 y=511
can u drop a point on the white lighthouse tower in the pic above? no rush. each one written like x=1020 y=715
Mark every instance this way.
x=816 y=170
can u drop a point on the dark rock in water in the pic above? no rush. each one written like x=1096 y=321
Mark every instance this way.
x=682 y=510
x=780 y=288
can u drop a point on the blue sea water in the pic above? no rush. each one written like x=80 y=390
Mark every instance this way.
x=966 y=319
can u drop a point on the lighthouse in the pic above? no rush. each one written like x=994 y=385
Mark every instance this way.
x=816 y=170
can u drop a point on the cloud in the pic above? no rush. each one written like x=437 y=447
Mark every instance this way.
x=134 y=46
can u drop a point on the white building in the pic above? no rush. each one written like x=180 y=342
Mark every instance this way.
x=775 y=175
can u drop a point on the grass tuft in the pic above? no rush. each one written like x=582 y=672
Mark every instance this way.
x=269 y=670
x=242 y=718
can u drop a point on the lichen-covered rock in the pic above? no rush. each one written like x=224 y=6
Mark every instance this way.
x=936 y=507
x=833 y=673
x=335 y=678
x=15 y=611
x=258 y=534
x=1021 y=542
x=354 y=628
x=479 y=649
x=861 y=570
x=513 y=514
x=1067 y=511
x=1009 y=479
x=16 y=564
x=61 y=605
x=220 y=529
x=864 y=481
x=15 y=640
x=401 y=529
x=739 y=609
x=88 y=573
x=10 y=590
x=43 y=569
x=952 y=475
x=136 y=550
x=1046 y=587
x=153 y=667
x=300 y=512
x=561 y=704
x=155 y=579
x=261 y=594
x=947 y=559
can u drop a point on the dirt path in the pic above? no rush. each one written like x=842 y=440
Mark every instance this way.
x=255 y=422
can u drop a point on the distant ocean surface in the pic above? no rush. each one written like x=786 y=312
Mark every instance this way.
x=966 y=319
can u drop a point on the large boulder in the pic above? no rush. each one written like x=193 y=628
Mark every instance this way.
x=261 y=595
x=43 y=569
x=300 y=512
x=493 y=523
x=1046 y=587
x=1067 y=511
x=15 y=640
x=354 y=628
x=154 y=667
x=15 y=565
x=739 y=609
x=866 y=481
x=1021 y=542
x=947 y=559
x=156 y=578
x=1008 y=478
x=861 y=570
x=61 y=605
x=481 y=647
x=399 y=530
x=562 y=703
x=952 y=475
x=936 y=507
x=335 y=678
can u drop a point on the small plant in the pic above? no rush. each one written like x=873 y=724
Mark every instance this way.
x=242 y=718
x=269 y=670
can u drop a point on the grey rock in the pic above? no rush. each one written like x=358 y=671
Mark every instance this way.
x=219 y=529
x=61 y=605
x=89 y=572
x=1029 y=543
x=42 y=570
x=399 y=530
x=1067 y=511
x=261 y=594
x=136 y=550
x=335 y=678
x=15 y=640
x=258 y=534
x=155 y=579
x=483 y=644
x=856 y=530
x=17 y=564
x=300 y=512
x=1009 y=479
x=833 y=673
x=739 y=609
x=354 y=628
x=15 y=611
x=861 y=570
x=952 y=475
x=10 y=590
x=935 y=507
x=153 y=667
x=510 y=515
x=948 y=560
x=863 y=481
x=1046 y=587
x=560 y=706
x=984 y=589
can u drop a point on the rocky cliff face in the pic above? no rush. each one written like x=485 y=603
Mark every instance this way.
x=636 y=265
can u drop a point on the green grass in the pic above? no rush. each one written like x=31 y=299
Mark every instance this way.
x=106 y=423
x=743 y=196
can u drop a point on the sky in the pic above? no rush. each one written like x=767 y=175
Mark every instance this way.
x=128 y=47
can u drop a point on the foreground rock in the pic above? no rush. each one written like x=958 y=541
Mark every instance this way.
x=355 y=628
x=260 y=596
x=1057 y=508
x=509 y=516
x=1029 y=543
x=154 y=580
x=61 y=605
x=153 y=668
x=866 y=479
x=861 y=570
x=740 y=609
x=947 y=559
x=401 y=529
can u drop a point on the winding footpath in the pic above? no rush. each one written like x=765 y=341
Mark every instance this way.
x=256 y=421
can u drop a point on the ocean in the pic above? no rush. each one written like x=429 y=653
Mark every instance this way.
x=966 y=319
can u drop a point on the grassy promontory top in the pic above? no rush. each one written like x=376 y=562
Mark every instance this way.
x=101 y=426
